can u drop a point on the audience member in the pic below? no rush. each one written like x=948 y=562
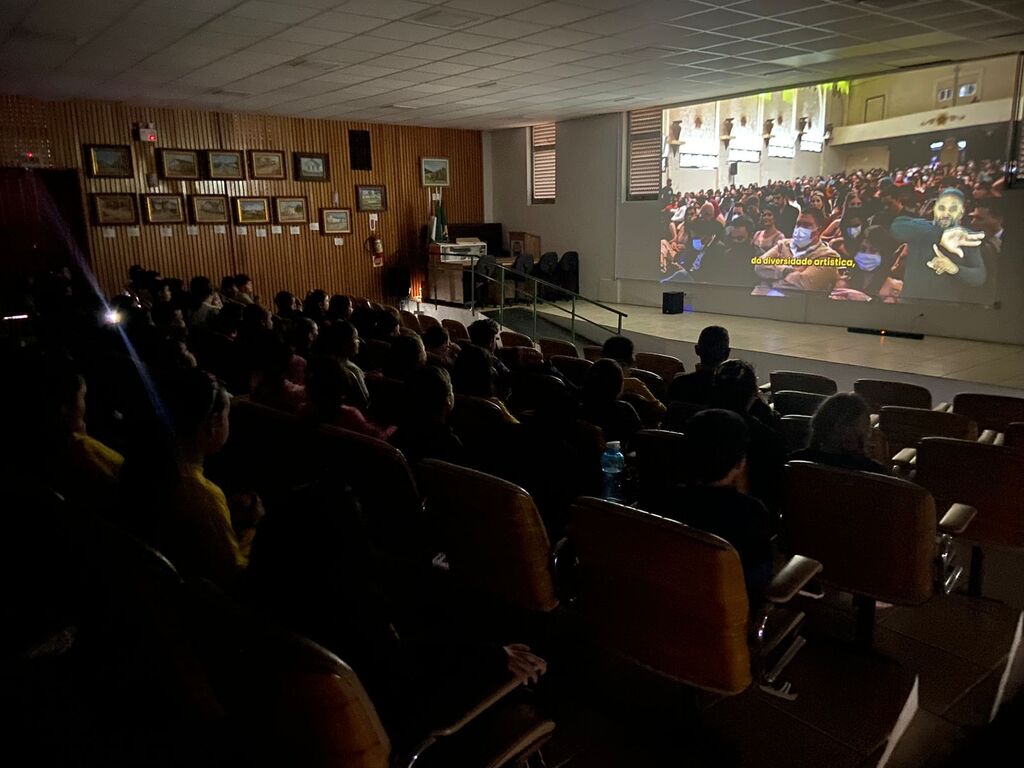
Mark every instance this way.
x=473 y=374
x=840 y=432
x=712 y=349
x=601 y=406
x=405 y=356
x=423 y=432
x=621 y=350
x=440 y=350
x=331 y=388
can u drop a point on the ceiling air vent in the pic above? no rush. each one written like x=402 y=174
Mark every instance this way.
x=444 y=18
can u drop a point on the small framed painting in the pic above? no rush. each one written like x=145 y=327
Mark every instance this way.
x=209 y=209
x=311 y=167
x=178 y=164
x=267 y=164
x=252 y=210
x=434 y=172
x=163 y=209
x=110 y=209
x=290 y=210
x=225 y=164
x=335 y=221
x=109 y=161
x=371 y=198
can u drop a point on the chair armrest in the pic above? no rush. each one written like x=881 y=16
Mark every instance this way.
x=944 y=407
x=905 y=458
x=765 y=388
x=492 y=697
x=792 y=578
x=957 y=518
x=1000 y=439
x=873 y=418
x=989 y=437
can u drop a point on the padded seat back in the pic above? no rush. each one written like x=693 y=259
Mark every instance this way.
x=551 y=347
x=661 y=594
x=790 y=403
x=873 y=534
x=456 y=330
x=538 y=392
x=492 y=535
x=267 y=450
x=989 y=411
x=654 y=382
x=427 y=322
x=906 y=427
x=387 y=399
x=568 y=271
x=796 y=431
x=477 y=421
x=660 y=464
x=879 y=394
x=374 y=354
x=990 y=478
x=796 y=381
x=573 y=368
x=1014 y=433
x=410 y=321
x=515 y=339
x=592 y=353
x=665 y=366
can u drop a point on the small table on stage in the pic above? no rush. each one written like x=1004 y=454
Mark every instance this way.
x=450 y=281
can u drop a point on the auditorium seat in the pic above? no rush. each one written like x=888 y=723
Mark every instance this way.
x=993 y=412
x=660 y=463
x=568 y=271
x=879 y=393
x=874 y=535
x=492 y=536
x=903 y=428
x=665 y=366
x=373 y=355
x=482 y=428
x=989 y=478
x=456 y=330
x=653 y=382
x=796 y=431
x=799 y=403
x=1014 y=435
x=573 y=368
x=515 y=339
x=668 y=597
x=592 y=353
x=427 y=322
x=387 y=399
x=410 y=321
x=796 y=381
x=538 y=391
x=551 y=347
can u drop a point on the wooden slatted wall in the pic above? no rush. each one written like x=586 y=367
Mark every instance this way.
x=55 y=132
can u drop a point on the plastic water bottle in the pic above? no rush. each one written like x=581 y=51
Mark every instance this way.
x=613 y=465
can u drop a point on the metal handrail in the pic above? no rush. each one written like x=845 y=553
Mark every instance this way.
x=536 y=283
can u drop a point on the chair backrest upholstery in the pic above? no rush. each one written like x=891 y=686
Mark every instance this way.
x=547 y=265
x=374 y=354
x=879 y=393
x=654 y=382
x=387 y=399
x=492 y=534
x=592 y=353
x=267 y=449
x=665 y=366
x=796 y=431
x=523 y=264
x=410 y=321
x=988 y=477
x=551 y=347
x=477 y=421
x=515 y=339
x=790 y=403
x=873 y=534
x=660 y=464
x=659 y=593
x=456 y=330
x=796 y=381
x=989 y=411
x=427 y=322
x=569 y=271
x=1014 y=435
x=533 y=391
x=573 y=368
x=905 y=427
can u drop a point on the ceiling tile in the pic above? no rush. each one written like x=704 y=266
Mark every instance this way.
x=515 y=48
x=346 y=22
x=385 y=9
x=466 y=41
x=285 y=13
x=430 y=52
x=528 y=64
x=478 y=59
x=236 y=25
x=714 y=19
x=774 y=7
x=603 y=45
x=312 y=36
x=507 y=28
x=555 y=14
x=371 y=44
x=413 y=33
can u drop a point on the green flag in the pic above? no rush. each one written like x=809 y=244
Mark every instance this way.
x=439 y=230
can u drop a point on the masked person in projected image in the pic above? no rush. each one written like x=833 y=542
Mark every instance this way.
x=872 y=277
x=943 y=260
x=783 y=279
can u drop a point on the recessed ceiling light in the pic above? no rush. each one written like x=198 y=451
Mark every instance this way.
x=405 y=106
x=443 y=18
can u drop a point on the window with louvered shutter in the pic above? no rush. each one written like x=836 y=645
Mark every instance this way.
x=542 y=163
x=643 y=172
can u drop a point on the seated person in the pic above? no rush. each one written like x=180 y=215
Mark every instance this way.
x=621 y=350
x=423 y=431
x=601 y=406
x=712 y=349
x=805 y=246
x=714 y=501
x=271 y=385
x=405 y=356
x=840 y=431
x=341 y=341
x=484 y=333
x=440 y=350
x=330 y=388
x=473 y=374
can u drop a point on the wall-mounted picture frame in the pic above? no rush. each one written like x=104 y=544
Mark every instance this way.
x=163 y=209
x=311 y=166
x=335 y=221
x=108 y=161
x=252 y=210
x=178 y=164
x=111 y=209
x=209 y=209
x=371 y=198
x=435 y=172
x=225 y=164
x=267 y=164
x=291 y=210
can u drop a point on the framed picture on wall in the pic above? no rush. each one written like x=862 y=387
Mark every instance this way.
x=112 y=209
x=290 y=210
x=335 y=221
x=434 y=172
x=252 y=210
x=225 y=164
x=178 y=163
x=371 y=198
x=267 y=164
x=163 y=209
x=209 y=209
x=110 y=161
x=311 y=167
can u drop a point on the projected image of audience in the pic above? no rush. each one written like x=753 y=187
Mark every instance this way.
x=819 y=191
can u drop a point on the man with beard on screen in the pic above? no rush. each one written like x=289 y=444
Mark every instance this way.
x=943 y=258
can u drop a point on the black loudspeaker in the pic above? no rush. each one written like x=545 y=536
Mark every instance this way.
x=672 y=302
x=359 y=156
x=734 y=168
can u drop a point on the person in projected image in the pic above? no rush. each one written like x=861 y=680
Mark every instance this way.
x=782 y=279
x=769 y=235
x=943 y=259
x=876 y=256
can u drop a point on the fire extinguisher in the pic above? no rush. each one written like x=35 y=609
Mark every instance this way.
x=376 y=246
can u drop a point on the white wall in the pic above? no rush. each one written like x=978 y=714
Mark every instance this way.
x=591 y=217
